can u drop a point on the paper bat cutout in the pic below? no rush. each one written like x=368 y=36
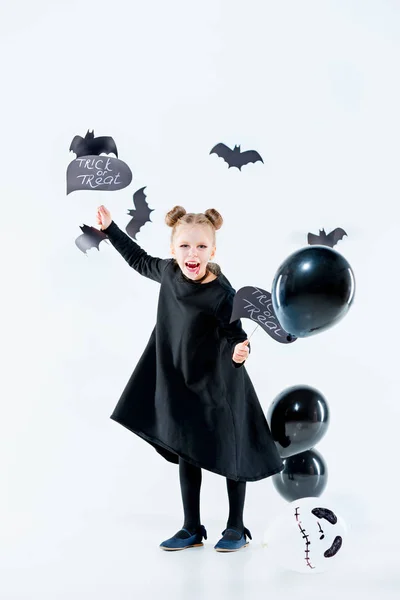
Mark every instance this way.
x=140 y=215
x=90 y=238
x=256 y=304
x=323 y=239
x=236 y=158
x=92 y=146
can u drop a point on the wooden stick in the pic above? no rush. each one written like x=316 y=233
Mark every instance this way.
x=253 y=332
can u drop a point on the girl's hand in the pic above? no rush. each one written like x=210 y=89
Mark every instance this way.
x=103 y=217
x=241 y=352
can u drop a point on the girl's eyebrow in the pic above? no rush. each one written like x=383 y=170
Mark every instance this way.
x=199 y=243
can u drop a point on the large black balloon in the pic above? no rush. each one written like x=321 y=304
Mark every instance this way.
x=312 y=290
x=303 y=475
x=298 y=419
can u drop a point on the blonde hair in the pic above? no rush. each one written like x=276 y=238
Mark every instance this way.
x=178 y=216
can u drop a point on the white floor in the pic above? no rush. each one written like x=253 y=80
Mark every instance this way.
x=117 y=557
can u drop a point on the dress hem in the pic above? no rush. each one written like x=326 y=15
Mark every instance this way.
x=153 y=440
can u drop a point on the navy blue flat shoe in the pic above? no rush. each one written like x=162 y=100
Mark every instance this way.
x=230 y=541
x=193 y=541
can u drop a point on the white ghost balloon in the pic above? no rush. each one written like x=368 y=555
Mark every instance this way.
x=307 y=537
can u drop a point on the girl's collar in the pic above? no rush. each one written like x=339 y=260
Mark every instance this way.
x=197 y=280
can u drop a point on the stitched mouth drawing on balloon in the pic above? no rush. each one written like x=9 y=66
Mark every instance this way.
x=307 y=537
x=320 y=513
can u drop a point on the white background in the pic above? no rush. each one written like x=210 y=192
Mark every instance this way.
x=314 y=87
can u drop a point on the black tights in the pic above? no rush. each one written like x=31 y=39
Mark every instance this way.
x=190 y=480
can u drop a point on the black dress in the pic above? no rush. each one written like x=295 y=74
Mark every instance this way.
x=186 y=396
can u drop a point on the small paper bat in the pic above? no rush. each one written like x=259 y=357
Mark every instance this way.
x=323 y=239
x=140 y=215
x=90 y=238
x=236 y=158
x=90 y=145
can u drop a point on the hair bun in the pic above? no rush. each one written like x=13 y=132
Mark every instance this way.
x=215 y=217
x=174 y=215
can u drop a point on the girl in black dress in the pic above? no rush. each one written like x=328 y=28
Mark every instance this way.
x=190 y=396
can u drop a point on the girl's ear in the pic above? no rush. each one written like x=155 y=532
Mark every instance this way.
x=172 y=250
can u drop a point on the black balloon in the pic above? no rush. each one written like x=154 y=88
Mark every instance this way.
x=304 y=475
x=312 y=290
x=298 y=419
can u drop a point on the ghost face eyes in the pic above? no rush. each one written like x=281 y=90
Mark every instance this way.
x=334 y=549
x=325 y=513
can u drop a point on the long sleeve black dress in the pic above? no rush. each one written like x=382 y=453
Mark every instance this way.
x=186 y=396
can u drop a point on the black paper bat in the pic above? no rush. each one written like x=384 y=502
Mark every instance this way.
x=140 y=215
x=323 y=239
x=236 y=158
x=90 y=145
x=256 y=304
x=90 y=238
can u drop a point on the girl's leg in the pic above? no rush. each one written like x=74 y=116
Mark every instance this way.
x=236 y=496
x=234 y=537
x=190 y=481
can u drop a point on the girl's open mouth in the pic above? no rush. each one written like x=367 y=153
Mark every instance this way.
x=193 y=267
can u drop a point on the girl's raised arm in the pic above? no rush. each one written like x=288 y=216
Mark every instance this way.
x=135 y=256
